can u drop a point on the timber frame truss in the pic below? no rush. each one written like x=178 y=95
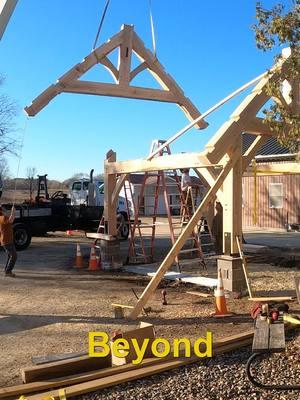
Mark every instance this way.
x=221 y=164
x=127 y=42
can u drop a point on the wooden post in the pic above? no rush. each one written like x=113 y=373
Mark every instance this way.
x=125 y=52
x=232 y=204
x=110 y=210
x=167 y=262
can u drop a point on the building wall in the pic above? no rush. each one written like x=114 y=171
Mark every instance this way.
x=268 y=217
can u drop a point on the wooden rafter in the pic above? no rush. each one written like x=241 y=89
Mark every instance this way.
x=244 y=116
x=127 y=41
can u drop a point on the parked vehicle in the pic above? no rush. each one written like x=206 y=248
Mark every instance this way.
x=82 y=208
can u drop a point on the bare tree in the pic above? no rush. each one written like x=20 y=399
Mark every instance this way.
x=8 y=112
x=4 y=169
x=30 y=174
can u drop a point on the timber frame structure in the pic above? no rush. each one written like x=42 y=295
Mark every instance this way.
x=221 y=164
x=128 y=43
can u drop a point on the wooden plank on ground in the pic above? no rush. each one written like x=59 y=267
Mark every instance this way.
x=277 y=337
x=199 y=294
x=271 y=298
x=121 y=305
x=261 y=337
x=39 y=386
x=58 y=369
x=219 y=345
x=138 y=373
x=102 y=236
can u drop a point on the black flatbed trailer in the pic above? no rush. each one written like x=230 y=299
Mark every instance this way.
x=37 y=219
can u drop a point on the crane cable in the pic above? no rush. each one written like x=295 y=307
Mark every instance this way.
x=152 y=29
x=100 y=24
x=151 y=25
x=20 y=158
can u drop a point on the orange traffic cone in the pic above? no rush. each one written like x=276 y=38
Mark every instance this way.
x=221 y=308
x=93 y=264
x=79 y=260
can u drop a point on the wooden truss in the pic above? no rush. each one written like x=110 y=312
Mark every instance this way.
x=128 y=42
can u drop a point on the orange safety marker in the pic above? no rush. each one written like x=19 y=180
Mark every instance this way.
x=93 y=264
x=79 y=260
x=221 y=308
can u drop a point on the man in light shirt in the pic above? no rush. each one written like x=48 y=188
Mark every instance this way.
x=186 y=183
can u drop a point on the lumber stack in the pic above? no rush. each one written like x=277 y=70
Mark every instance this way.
x=75 y=383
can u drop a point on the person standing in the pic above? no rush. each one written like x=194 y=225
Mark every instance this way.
x=7 y=240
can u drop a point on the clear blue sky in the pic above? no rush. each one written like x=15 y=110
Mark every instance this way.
x=207 y=46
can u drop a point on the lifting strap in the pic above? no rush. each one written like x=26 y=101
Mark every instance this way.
x=152 y=29
x=100 y=24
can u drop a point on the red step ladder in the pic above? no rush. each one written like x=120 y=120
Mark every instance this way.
x=138 y=244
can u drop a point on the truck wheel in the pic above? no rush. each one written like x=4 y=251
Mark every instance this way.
x=22 y=236
x=123 y=227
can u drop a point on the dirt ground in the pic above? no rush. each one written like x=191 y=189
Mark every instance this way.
x=50 y=307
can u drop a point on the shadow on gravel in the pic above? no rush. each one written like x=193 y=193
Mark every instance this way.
x=12 y=323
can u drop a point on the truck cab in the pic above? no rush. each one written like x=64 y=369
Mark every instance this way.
x=83 y=191
x=90 y=193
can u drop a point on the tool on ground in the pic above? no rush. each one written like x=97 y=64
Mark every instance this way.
x=221 y=307
x=291 y=319
x=269 y=310
x=164 y=298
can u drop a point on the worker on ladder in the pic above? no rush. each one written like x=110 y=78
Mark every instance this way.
x=186 y=188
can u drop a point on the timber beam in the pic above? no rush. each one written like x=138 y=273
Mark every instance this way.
x=167 y=162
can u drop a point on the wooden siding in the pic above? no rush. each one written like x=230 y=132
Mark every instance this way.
x=271 y=217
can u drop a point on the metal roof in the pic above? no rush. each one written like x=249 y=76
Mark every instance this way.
x=270 y=148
